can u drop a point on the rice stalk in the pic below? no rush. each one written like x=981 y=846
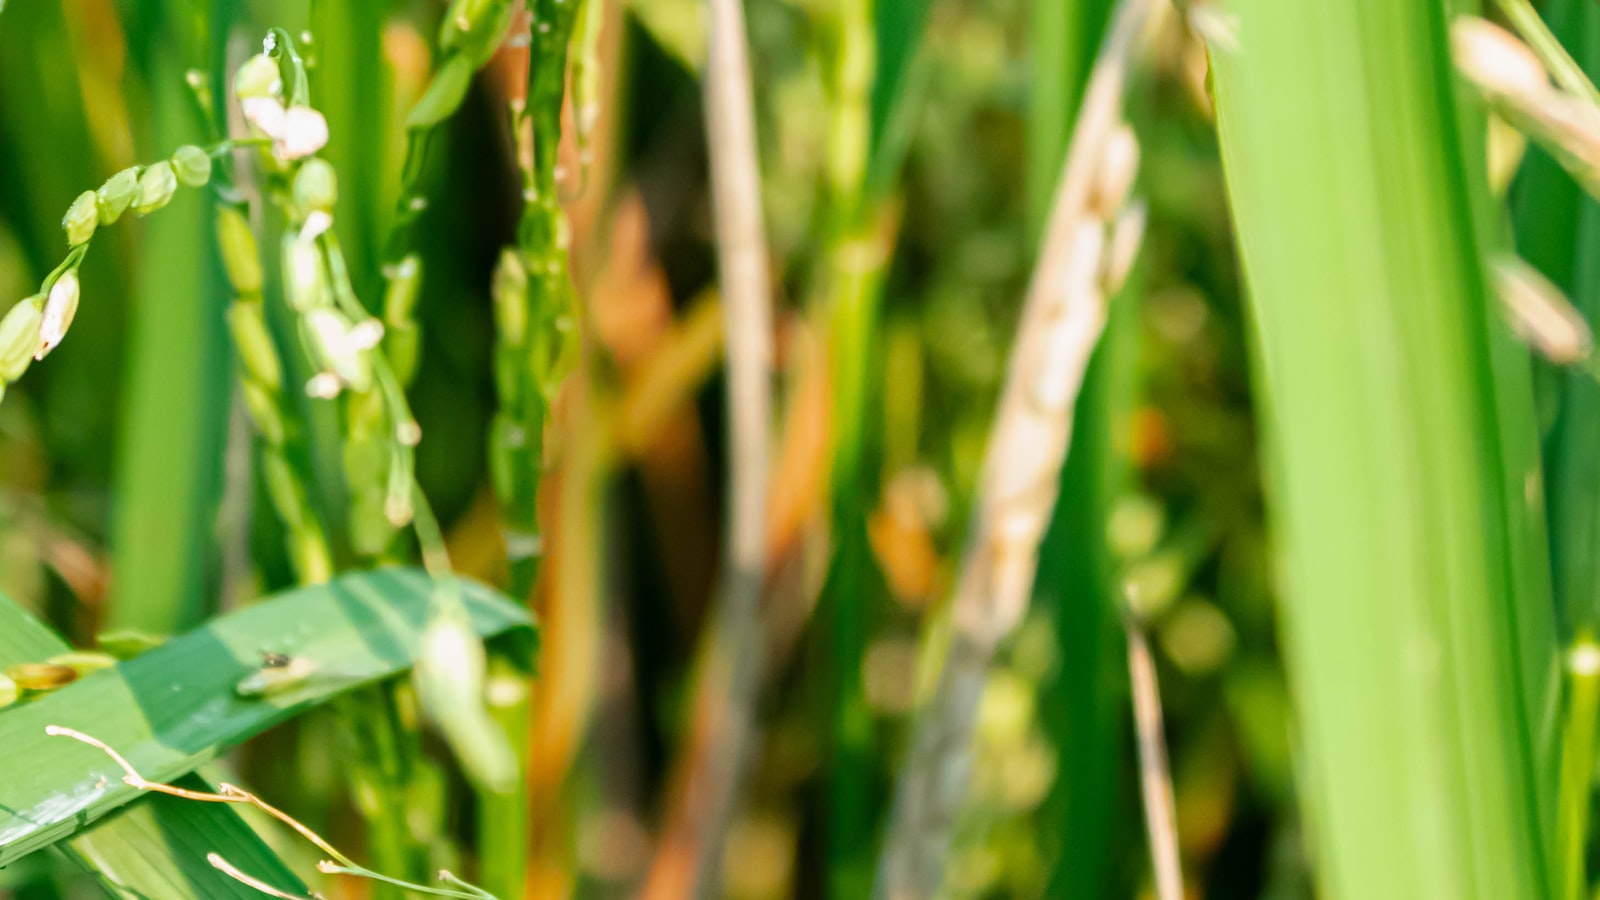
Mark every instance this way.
x=1061 y=322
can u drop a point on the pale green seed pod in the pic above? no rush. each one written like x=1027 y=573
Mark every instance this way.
x=192 y=165
x=400 y=294
x=509 y=362
x=2 y=397
x=444 y=94
x=19 y=338
x=316 y=187
x=510 y=290
x=283 y=489
x=258 y=77
x=402 y=345
x=248 y=324
x=264 y=413
x=370 y=531
x=116 y=195
x=81 y=218
x=472 y=28
x=305 y=282
x=238 y=245
x=157 y=184
x=505 y=453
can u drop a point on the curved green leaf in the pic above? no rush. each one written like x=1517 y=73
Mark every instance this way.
x=156 y=847
x=177 y=706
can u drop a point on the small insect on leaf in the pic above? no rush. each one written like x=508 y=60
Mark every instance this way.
x=278 y=674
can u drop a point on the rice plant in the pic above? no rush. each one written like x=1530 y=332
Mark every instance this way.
x=809 y=448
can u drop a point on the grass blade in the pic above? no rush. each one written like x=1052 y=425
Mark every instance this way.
x=1388 y=437
x=157 y=846
x=174 y=707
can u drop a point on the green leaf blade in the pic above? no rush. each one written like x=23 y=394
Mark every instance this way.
x=175 y=707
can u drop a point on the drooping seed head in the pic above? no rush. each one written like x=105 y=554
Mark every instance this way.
x=116 y=195
x=81 y=219
x=59 y=311
x=157 y=184
x=192 y=165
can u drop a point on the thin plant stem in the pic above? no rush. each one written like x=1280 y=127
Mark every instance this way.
x=726 y=687
x=1061 y=321
x=227 y=793
x=1577 y=762
x=232 y=871
x=1155 y=780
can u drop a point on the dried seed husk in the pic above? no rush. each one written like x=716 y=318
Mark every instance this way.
x=1119 y=168
x=60 y=308
x=41 y=676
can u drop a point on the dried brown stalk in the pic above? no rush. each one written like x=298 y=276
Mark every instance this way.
x=1061 y=322
x=725 y=692
x=1155 y=780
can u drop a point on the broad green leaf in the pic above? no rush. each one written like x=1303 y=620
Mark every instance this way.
x=177 y=387
x=175 y=707
x=157 y=846
x=1412 y=623
x=1063 y=39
